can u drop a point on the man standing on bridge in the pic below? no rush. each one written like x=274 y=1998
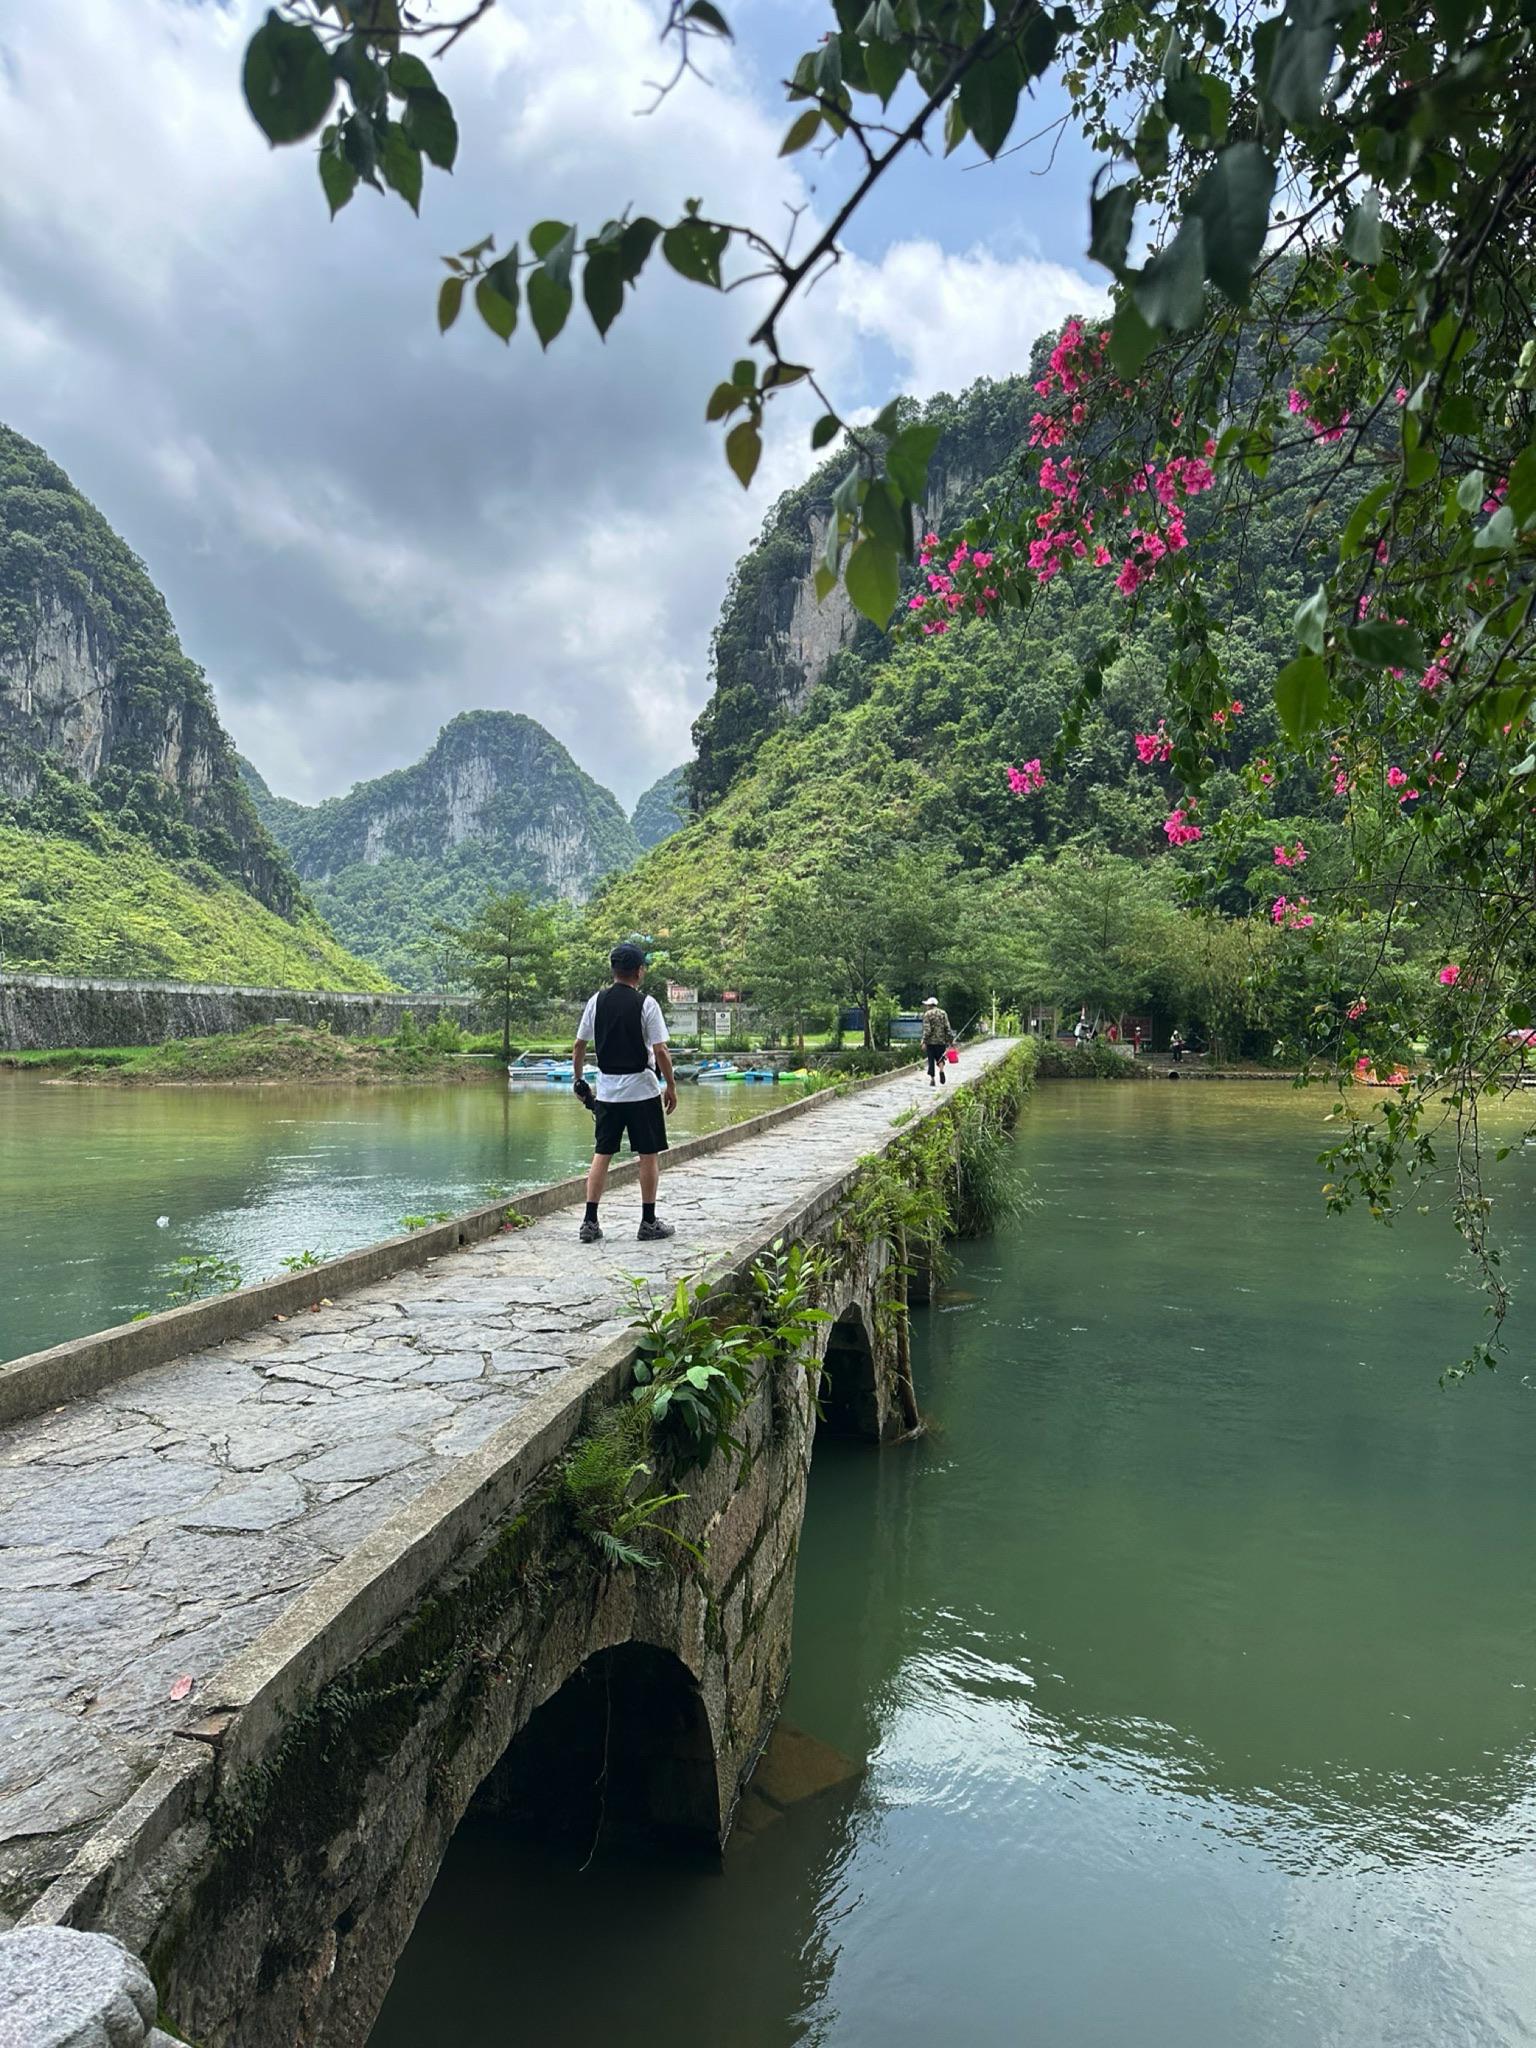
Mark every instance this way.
x=629 y=1035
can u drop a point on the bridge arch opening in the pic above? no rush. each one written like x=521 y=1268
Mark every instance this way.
x=850 y=1389
x=622 y=1752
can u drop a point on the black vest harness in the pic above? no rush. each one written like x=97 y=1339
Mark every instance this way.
x=617 y=1033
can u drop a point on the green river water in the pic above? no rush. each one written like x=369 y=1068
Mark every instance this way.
x=256 y=1174
x=1190 y=1658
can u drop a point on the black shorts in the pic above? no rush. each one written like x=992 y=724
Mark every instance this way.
x=645 y=1122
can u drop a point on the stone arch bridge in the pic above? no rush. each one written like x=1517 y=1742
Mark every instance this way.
x=293 y=1578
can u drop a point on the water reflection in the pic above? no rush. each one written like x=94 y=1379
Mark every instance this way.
x=255 y=1174
x=1192 y=1654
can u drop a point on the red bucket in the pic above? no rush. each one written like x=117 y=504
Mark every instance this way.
x=953 y=1055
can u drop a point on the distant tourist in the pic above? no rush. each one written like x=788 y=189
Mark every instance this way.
x=1136 y=1041
x=1176 y=1048
x=629 y=1035
x=937 y=1039
x=1080 y=1030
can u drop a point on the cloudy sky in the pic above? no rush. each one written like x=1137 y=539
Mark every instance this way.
x=363 y=528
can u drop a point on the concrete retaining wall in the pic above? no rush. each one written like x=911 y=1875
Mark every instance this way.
x=44 y=1012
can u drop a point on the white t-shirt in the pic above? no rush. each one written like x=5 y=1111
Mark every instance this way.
x=641 y=1087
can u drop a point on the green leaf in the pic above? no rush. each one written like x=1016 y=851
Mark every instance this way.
x=428 y=120
x=1420 y=466
x=1131 y=340
x=1170 y=291
x=1042 y=32
x=825 y=581
x=989 y=98
x=694 y=251
x=1311 y=621
x=400 y=161
x=954 y=127
x=1522 y=486
x=352 y=62
x=409 y=74
x=879 y=516
x=496 y=309
x=1111 y=214
x=602 y=286
x=360 y=146
x=708 y=17
x=744 y=374
x=636 y=240
x=845 y=498
x=724 y=400
x=337 y=176
x=1218 y=96
x=449 y=300
x=554 y=243
x=1362 y=231
x=1383 y=645
x=1301 y=697
x=1472 y=490
x=826 y=429
x=908 y=457
x=1302 y=60
x=886 y=66
x=1362 y=516
x=873 y=580
x=1498 y=534
x=287 y=79
x=888 y=419
x=1520 y=1016
x=743 y=451
x=1232 y=204
x=802 y=130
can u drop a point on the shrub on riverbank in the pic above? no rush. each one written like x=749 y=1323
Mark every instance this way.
x=1096 y=1061
x=269 y=1053
x=859 y=1060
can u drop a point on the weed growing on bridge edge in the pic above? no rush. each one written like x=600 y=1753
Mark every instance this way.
x=599 y=1479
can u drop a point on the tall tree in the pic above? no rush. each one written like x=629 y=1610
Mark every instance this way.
x=788 y=959
x=507 y=955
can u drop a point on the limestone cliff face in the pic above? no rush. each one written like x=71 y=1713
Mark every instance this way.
x=100 y=711
x=775 y=642
x=493 y=779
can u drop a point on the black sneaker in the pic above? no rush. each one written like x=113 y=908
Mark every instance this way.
x=648 y=1232
x=590 y=1232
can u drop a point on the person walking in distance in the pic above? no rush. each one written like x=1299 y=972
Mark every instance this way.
x=635 y=1086
x=937 y=1039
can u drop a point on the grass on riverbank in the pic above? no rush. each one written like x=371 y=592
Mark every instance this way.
x=271 y=1052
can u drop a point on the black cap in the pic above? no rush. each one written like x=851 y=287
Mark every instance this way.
x=626 y=959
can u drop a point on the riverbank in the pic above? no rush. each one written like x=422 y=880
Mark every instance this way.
x=268 y=1055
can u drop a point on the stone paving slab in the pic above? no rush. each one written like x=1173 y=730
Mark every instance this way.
x=152 y=1531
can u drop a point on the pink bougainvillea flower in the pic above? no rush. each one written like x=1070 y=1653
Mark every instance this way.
x=1179 y=829
x=1356 y=1010
x=1395 y=778
x=1028 y=780
x=1449 y=976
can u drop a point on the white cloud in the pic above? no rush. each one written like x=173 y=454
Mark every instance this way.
x=952 y=316
x=361 y=528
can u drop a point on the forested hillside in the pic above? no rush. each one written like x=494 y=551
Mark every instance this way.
x=775 y=642
x=130 y=845
x=662 y=809
x=944 y=807
x=496 y=804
